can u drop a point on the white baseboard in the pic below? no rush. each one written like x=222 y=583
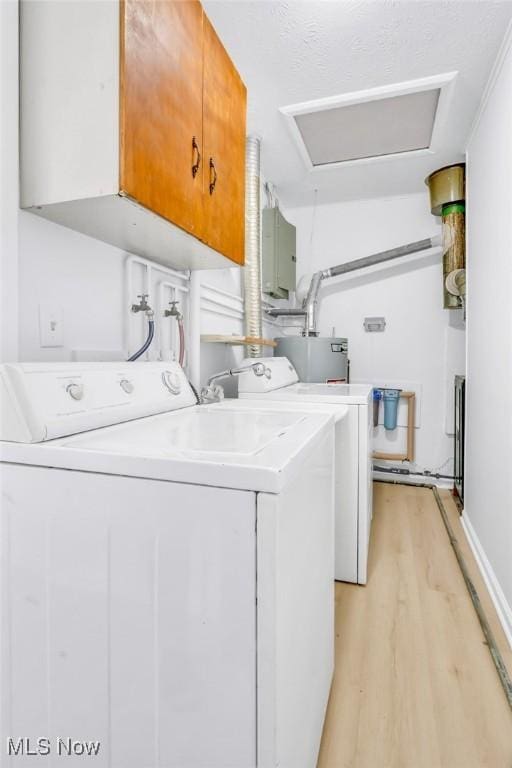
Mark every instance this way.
x=503 y=609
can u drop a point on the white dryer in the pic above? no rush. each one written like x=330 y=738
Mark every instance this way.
x=353 y=472
x=151 y=596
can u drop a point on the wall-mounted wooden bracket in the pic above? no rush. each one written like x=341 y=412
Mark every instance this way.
x=213 y=338
x=409 y=455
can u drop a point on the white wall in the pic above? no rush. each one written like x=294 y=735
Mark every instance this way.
x=85 y=279
x=423 y=344
x=68 y=270
x=488 y=496
x=8 y=180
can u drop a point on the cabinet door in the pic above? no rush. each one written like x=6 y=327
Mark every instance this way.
x=161 y=72
x=224 y=106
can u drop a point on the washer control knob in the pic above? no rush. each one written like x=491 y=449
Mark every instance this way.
x=76 y=391
x=127 y=386
x=172 y=381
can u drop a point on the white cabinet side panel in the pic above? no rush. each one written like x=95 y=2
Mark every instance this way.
x=132 y=617
x=365 y=490
x=69 y=100
x=295 y=545
x=347 y=495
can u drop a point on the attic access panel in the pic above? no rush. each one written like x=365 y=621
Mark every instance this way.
x=373 y=128
x=373 y=124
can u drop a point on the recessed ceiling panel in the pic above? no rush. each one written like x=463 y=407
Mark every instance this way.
x=375 y=128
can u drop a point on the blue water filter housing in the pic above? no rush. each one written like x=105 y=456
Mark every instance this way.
x=391 y=398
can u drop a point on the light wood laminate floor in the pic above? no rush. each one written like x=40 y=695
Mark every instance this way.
x=414 y=684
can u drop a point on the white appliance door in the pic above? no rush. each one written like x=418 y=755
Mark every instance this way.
x=131 y=620
x=365 y=490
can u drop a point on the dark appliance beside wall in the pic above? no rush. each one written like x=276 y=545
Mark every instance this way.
x=460 y=415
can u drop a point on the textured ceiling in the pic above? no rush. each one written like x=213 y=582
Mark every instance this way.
x=289 y=52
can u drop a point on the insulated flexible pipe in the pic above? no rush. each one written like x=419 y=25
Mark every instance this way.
x=252 y=274
x=145 y=346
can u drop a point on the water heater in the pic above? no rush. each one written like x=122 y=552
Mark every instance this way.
x=315 y=358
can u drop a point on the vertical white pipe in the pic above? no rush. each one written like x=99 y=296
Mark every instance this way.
x=252 y=271
x=194 y=330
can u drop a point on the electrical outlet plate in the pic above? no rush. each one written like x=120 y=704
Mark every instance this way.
x=374 y=324
x=51 y=330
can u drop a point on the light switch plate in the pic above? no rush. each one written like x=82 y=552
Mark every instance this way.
x=51 y=330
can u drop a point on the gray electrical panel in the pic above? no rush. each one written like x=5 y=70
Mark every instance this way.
x=278 y=254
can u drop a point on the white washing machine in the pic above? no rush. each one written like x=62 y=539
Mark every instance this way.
x=353 y=473
x=151 y=599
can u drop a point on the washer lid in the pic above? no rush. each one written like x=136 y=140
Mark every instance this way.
x=355 y=394
x=203 y=445
x=246 y=404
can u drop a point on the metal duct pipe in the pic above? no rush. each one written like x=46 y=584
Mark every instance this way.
x=252 y=271
x=285 y=312
x=310 y=303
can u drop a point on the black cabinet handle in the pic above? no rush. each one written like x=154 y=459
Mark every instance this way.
x=196 y=157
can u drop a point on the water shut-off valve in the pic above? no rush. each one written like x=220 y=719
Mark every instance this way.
x=143 y=306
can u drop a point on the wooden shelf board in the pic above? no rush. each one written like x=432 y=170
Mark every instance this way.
x=236 y=340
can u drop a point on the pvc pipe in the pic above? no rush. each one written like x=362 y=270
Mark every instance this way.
x=221 y=292
x=194 y=351
x=224 y=312
x=159 y=267
x=148 y=267
x=223 y=304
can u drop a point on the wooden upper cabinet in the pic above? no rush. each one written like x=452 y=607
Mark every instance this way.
x=224 y=111
x=183 y=110
x=116 y=132
x=161 y=108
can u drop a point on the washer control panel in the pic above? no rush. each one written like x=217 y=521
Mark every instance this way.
x=76 y=391
x=41 y=401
